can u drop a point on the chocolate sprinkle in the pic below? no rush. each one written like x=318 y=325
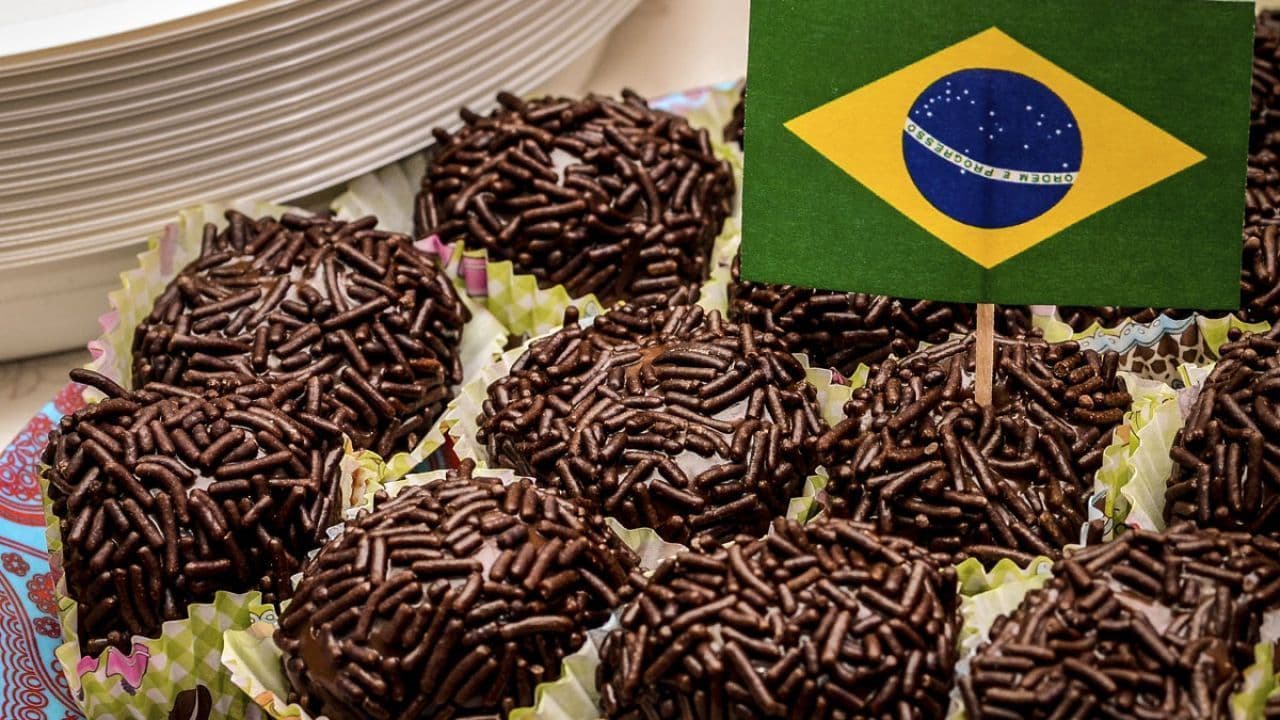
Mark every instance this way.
x=670 y=419
x=454 y=598
x=843 y=330
x=818 y=621
x=1260 y=274
x=365 y=323
x=599 y=195
x=1152 y=626
x=165 y=496
x=1226 y=470
x=733 y=132
x=920 y=458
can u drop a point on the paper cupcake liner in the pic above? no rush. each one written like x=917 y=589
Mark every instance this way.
x=1261 y=683
x=255 y=664
x=985 y=596
x=179 y=244
x=515 y=298
x=1151 y=350
x=1135 y=468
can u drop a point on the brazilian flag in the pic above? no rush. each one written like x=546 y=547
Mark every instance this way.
x=1080 y=152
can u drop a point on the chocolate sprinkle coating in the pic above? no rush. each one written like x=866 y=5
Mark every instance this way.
x=1260 y=273
x=818 y=621
x=454 y=598
x=599 y=195
x=920 y=458
x=733 y=132
x=357 y=316
x=1226 y=457
x=843 y=330
x=670 y=419
x=1154 y=626
x=165 y=496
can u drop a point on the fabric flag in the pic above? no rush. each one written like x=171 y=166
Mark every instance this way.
x=1081 y=152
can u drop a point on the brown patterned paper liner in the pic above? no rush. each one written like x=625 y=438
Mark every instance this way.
x=1151 y=350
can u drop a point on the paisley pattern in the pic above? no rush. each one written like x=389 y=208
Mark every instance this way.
x=32 y=683
x=19 y=490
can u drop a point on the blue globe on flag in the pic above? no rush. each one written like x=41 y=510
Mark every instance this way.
x=991 y=148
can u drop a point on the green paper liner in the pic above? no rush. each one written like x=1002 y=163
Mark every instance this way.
x=513 y=297
x=254 y=663
x=1261 y=683
x=985 y=596
x=1136 y=466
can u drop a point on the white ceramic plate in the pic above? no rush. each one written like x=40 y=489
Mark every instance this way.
x=102 y=141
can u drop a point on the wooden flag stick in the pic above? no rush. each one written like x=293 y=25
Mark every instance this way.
x=985 y=361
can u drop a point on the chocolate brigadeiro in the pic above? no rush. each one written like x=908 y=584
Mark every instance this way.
x=455 y=598
x=1151 y=626
x=1226 y=470
x=1260 y=276
x=165 y=496
x=920 y=458
x=818 y=621
x=671 y=419
x=369 y=326
x=733 y=132
x=599 y=195
x=842 y=330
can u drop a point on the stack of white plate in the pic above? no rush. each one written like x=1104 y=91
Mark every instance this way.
x=114 y=114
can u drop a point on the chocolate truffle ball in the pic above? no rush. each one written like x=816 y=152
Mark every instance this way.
x=1148 y=626
x=820 y=621
x=671 y=419
x=454 y=598
x=599 y=195
x=920 y=458
x=842 y=330
x=733 y=132
x=1226 y=470
x=165 y=496
x=301 y=302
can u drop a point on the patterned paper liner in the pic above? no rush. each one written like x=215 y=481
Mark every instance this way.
x=1152 y=350
x=179 y=244
x=513 y=297
x=254 y=663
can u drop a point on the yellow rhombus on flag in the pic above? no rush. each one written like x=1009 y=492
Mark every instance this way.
x=862 y=133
